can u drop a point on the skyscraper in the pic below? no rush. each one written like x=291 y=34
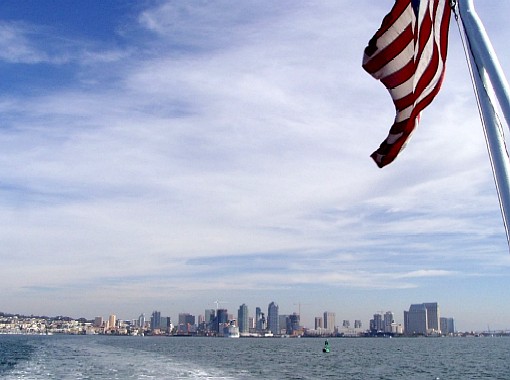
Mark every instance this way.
x=155 y=320
x=98 y=321
x=186 y=319
x=389 y=321
x=318 y=323
x=112 y=320
x=221 y=319
x=377 y=324
x=422 y=319
x=272 y=318
x=329 y=321
x=242 y=318
x=447 y=326
x=293 y=324
x=166 y=324
x=260 y=320
x=415 y=320
x=433 y=317
x=141 y=320
x=210 y=316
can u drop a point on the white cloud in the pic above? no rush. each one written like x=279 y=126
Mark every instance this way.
x=245 y=138
x=16 y=46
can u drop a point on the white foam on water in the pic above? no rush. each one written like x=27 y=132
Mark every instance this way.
x=79 y=359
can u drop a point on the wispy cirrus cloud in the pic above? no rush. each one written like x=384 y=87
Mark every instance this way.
x=224 y=148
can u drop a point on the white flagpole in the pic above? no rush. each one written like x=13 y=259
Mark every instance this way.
x=490 y=79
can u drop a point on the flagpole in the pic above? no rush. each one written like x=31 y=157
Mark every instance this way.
x=489 y=80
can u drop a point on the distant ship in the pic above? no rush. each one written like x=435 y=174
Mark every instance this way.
x=231 y=330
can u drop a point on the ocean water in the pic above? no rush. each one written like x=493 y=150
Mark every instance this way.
x=112 y=357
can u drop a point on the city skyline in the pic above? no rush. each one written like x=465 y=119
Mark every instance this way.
x=420 y=320
x=328 y=320
x=165 y=155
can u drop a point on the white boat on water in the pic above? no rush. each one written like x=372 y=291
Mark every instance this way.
x=231 y=330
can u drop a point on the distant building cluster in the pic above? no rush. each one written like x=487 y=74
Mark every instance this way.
x=420 y=320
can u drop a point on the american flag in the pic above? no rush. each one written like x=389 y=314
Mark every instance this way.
x=408 y=54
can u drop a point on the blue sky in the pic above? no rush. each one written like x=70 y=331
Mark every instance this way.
x=168 y=154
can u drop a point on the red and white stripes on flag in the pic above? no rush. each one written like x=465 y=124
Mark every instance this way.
x=408 y=54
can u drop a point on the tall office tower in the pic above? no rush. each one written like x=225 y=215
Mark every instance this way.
x=262 y=323
x=186 y=318
x=329 y=321
x=377 y=323
x=169 y=325
x=450 y=326
x=318 y=323
x=141 y=320
x=221 y=319
x=293 y=323
x=388 y=322
x=258 y=313
x=98 y=321
x=433 y=317
x=258 y=319
x=190 y=319
x=447 y=326
x=415 y=320
x=346 y=323
x=112 y=320
x=155 y=320
x=163 y=322
x=357 y=324
x=272 y=318
x=210 y=316
x=283 y=322
x=201 y=319
x=242 y=319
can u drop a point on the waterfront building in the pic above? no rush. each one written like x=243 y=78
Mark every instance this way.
x=186 y=319
x=220 y=320
x=242 y=318
x=141 y=320
x=377 y=323
x=422 y=319
x=447 y=326
x=415 y=320
x=318 y=323
x=210 y=317
x=329 y=321
x=357 y=324
x=388 y=322
x=112 y=321
x=260 y=320
x=272 y=318
x=166 y=324
x=155 y=320
x=294 y=324
x=346 y=323
x=98 y=321
x=433 y=317
x=283 y=323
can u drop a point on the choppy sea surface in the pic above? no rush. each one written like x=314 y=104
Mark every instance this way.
x=112 y=357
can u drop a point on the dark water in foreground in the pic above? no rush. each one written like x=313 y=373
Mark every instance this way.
x=104 y=357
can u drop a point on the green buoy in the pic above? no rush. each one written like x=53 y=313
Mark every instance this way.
x=326 y=347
